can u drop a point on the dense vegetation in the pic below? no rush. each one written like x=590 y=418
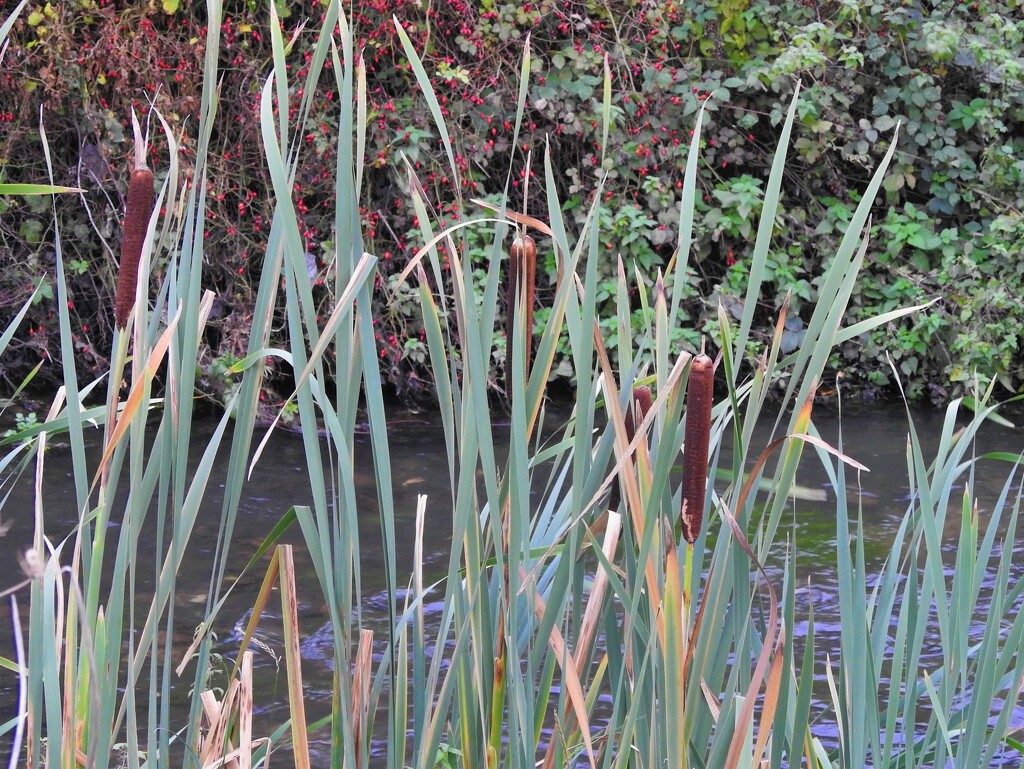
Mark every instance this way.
x=666 y=623
x=947 y=228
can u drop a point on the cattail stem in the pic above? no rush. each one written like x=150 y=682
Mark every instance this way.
x=522 y=277
x=697 y=436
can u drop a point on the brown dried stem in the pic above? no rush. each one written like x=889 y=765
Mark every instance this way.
x=522 y=278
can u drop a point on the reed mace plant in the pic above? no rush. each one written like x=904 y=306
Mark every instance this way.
x=697 y=435
x=136 y=222
x=642 y=400
x=522 y=276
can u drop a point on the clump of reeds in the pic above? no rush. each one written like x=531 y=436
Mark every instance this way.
x=699 y=398
x=136 y=222
x=522 y=278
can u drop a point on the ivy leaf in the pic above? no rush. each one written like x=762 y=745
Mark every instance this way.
x=884 y=123
x=792 y=335
x=894 y=182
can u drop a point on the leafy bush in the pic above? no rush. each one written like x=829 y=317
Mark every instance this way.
x=949 y=75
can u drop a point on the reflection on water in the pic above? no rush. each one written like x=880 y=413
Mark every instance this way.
x=874 y=435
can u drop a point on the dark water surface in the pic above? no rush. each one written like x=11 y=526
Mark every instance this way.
x=874 y=434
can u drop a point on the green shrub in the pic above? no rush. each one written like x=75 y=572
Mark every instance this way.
x=950 y=75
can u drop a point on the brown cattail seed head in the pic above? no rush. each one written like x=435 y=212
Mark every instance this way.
x=699 y=398
x=522 y=273
x=638 y=410
x=524 y=246
x=136 y=221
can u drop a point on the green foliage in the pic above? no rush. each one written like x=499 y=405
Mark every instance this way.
x=22 y=422
x=973 y=331
x=950 y=76
x=657 y=665
x=570 y=627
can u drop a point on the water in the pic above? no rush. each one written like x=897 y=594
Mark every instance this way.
x=874 y=435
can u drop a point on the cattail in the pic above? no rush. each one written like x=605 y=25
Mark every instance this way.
x=136 y=222
x=638 y=410
x=699 y=397
x=635 y=414
x=522 y=273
